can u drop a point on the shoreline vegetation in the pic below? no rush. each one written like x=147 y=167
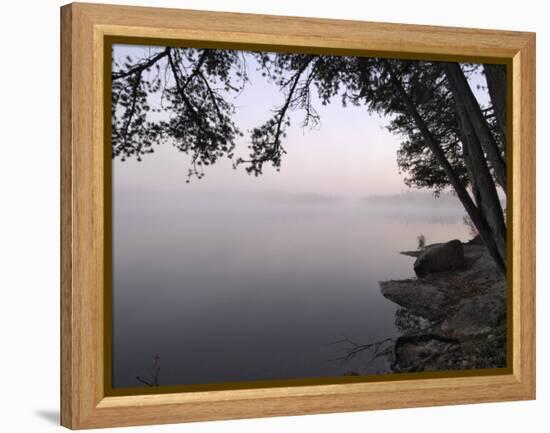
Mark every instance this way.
x=450 y=320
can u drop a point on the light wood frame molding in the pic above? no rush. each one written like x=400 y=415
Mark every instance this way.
x=84 y=27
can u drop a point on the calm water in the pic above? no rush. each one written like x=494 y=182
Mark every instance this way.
x=234 y=287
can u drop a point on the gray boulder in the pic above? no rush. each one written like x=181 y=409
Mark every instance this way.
x=441 y=257
x=422 y=298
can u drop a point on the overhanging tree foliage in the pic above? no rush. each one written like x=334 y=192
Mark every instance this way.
x=191 y=87
x=448 y=139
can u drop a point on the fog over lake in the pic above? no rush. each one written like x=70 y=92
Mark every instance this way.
x=254 y=286
x=233 y=277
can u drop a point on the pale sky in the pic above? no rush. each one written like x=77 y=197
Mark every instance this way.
x=349 y=154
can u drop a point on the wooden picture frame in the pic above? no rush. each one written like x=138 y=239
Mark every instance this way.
x=85 y=28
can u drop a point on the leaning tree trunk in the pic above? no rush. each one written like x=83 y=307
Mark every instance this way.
x=496 y=84
x=462 y=92
x=469 y=167
x=475 y=215
x=482 y=182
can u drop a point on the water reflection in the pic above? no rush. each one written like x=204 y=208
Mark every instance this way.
x=235 y=287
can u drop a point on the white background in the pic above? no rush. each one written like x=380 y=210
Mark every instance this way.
x=29 y=229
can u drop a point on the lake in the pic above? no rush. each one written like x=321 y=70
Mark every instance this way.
x=227 y=287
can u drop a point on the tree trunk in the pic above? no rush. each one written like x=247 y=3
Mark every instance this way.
x=496 y=84
x=476 y=216
x=463 y=93
x=482 y=181
x=469 y=168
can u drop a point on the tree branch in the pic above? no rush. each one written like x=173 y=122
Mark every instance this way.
x=135 y=87
x=282 y=112
x=140 y=67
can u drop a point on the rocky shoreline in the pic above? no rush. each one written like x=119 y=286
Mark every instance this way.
x=453 y=319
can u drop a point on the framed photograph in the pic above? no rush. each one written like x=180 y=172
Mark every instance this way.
x=264 y=215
